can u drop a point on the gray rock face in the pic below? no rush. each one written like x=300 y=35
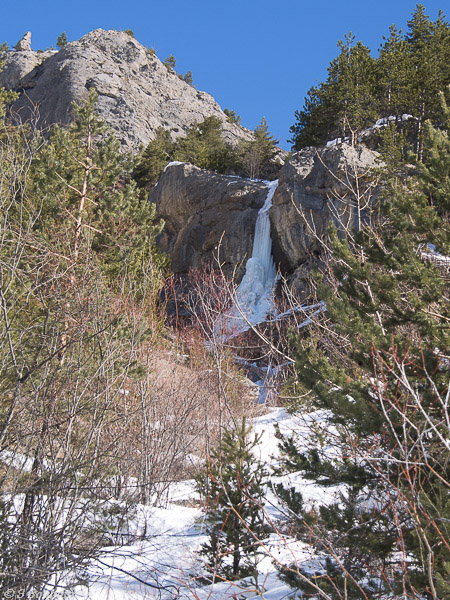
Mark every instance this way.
x=317 y=186
x=25 y=43
x=18 y=67
x=137 y=93
x=203 y=209
x=207 y=213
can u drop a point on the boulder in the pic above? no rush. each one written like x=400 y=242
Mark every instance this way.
x=318 y=186
x=137 y=92
x=207 y=217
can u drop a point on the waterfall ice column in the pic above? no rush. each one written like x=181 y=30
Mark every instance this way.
x=262 y=243
x=253 y=298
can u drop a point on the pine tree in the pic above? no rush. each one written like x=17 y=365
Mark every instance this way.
x=343 y=104
x=394 y=69
x=315 y=120
x=62 y=40
x=90 y=193
x=426 y=82
x=406 y=78
x=231 y=486
x=6 y=97
x=70 y=334
x=202 y=146
x=205 y=147
x=170 y=62
x=188 y=78
x=258 y=154
x=231 y=116
x=382 y=375
x=351 y=77
x=156 y=156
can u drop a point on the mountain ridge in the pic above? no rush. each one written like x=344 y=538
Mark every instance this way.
x=137 y=92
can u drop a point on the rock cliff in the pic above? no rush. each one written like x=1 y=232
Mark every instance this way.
x=203 y=209
x=137 y=92
x=318 y=186
x=206 y=214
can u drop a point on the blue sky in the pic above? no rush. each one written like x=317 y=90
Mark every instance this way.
x=257 y=57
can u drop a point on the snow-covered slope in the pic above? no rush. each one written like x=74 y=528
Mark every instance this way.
x=162 y=560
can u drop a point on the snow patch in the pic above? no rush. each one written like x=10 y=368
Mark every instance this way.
x=174 y=163
x=365 y=132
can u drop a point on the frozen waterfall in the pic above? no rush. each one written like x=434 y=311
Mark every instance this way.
x=253 y=298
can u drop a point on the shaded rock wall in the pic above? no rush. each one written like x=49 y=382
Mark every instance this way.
x=203 y=209
x=207 y=215
x=318 y=186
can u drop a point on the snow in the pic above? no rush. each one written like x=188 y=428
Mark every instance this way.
x=435 y=256
x=174 y=163
x=336 y=141
x=165 y=563
x=381 y=123
x=317 y=308
x=17 y=460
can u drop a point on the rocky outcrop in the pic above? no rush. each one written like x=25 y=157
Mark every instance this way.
x=318 y=186
x=203 y=210
x=25 y=43
x=18 y=65
x=206 y=215
x=137 y=92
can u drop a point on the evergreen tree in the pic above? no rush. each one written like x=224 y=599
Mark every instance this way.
x=429 y=44
x=85 y=177
x=383 y=376
x=344 y=103
x=231 y=486
x=258 y=154
x=188 y=78
x=394 y=70
x=232 y=117
x=5 y=96
x=69 y=338
x=62 y=40
x=170 y=62
x=315 y=120
x=155 y=157
x=205 y=147
x=351 y=81
x=406 y=78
